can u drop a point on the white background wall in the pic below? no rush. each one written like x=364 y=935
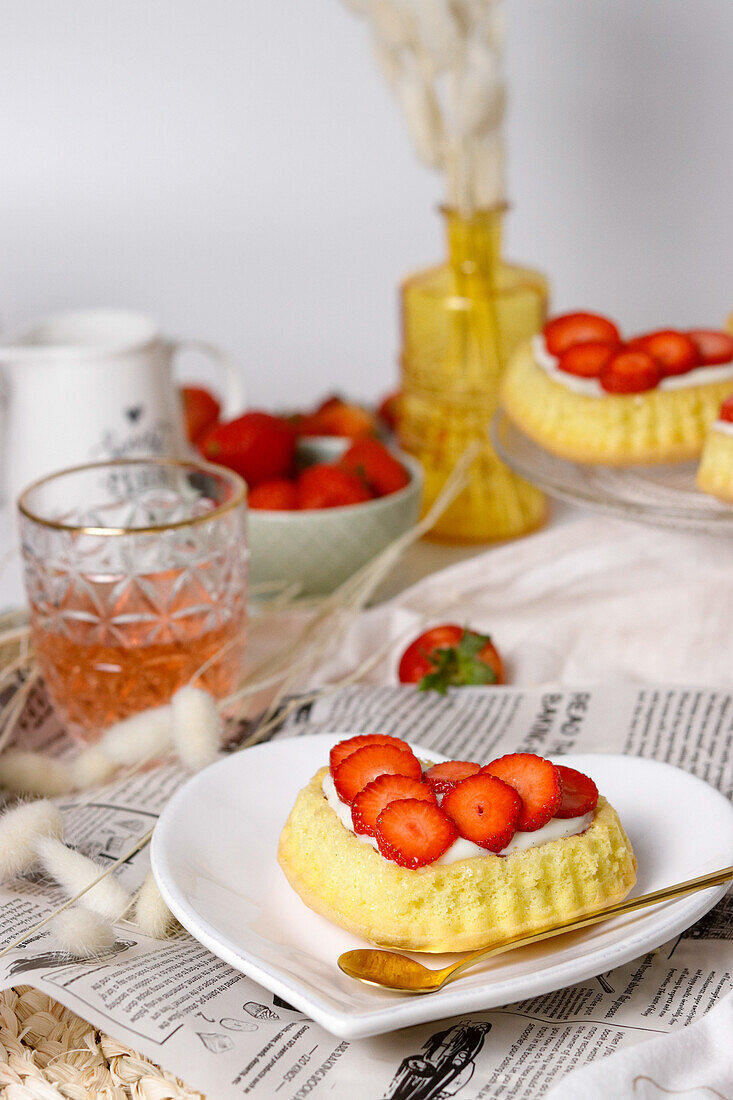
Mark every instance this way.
x=236 y=168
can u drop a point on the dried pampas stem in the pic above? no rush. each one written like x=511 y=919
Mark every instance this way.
x=76 y=872
x=20 y=828
x=24 y=772
x=197 y=727
x=11 y=714
x=139 y=737
x=151 y=914
x=82 y=932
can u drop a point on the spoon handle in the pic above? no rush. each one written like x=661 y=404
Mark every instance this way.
x=630 y=905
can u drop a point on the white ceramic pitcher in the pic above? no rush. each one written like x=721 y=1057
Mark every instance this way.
x=91 y=385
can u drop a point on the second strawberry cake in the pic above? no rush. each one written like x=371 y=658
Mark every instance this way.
x=583 y=392
x=455 y=856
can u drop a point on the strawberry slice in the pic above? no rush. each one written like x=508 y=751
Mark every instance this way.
x=726 y=410
x=586 y=360
x=536 y=781
x=444 y=777
x=413 y=832
x=343 y=749
x=713 y=346
x=369 y=803
x=563 y=332
x=485 y=810
x=631 y=372
x=361 y=767
x=675 y=352
x=579 y=793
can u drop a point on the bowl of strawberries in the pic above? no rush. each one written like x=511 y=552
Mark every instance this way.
x=325 y=492
x=345 y=502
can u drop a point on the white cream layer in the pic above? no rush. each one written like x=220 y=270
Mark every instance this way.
x=591 y=387
x=725 y=427
x=465 y=849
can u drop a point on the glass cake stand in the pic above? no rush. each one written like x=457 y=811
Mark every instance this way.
x=663 y=496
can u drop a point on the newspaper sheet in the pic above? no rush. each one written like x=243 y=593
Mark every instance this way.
x=228 y=1037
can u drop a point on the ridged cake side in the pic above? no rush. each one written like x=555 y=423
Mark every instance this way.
x=616 y=429
x=453 y=907
x=715 y=473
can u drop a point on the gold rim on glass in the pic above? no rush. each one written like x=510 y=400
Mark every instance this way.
x=238 y=498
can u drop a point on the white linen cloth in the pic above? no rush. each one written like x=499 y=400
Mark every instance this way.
x=591 y=600
x=695 y=1063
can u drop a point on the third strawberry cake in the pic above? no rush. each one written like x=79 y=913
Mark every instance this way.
x=583 y=392
x=455 y=856
x=715 y=473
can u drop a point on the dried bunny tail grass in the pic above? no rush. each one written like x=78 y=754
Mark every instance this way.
x=82 y=932
x=24 y=772
x=151 y=914
x=139 y=737
x=197 y=727
x=75 y=872
x=20 y=829
x=90 y=768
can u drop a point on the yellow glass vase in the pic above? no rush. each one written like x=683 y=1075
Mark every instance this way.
x=460 y=323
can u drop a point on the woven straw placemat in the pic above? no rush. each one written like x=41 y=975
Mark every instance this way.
x=48 y=1052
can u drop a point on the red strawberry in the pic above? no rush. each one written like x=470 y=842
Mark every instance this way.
x=359 y=768
x=631 y=372
x=675 y=352
x=336 y=417
x=369 y=803
x=326 y=486
x=713 y=346
x=389 y=410
x=586 y=360
x=444 y=777
x=563 y=332
x=200 y=409
x=450 y=655
x=378 y=469
x=258 y=446
x=726 y=410
x=536 y=781
x=579 y=793
x=274 y=496
x=485 y=809
x=413 y=832
x=343 y=749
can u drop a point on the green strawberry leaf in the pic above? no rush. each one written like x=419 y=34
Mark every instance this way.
x=458 y=666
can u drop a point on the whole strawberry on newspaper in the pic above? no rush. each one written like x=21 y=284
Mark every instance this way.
x=450 y=656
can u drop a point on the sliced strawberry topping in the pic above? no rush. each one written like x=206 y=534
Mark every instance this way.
x=675 y=352
x=563 y=332
x=579 y=793
x=413 y=832
x=444 y=777
x=586 y=360
x=713 y=346
x=536 y=781
x=369 y=803
x=631 y=372
x=726 y=410
x=343 y=749
x=485 y=810
x=359 y=768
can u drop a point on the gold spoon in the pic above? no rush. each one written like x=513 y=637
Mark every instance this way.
x=390 y=970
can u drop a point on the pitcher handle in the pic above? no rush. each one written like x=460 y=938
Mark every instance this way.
x=234 y=393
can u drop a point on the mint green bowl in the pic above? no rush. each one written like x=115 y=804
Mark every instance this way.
x=320 y=549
